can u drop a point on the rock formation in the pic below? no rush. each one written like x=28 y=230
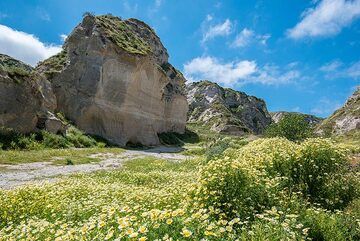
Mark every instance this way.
x=226 y=110
x=113 y=79
x=26 y=99
x=311 y=119
x=345 y=119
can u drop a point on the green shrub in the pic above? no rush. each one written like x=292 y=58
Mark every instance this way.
x=69 y=162
x=246 y=181
x=326 y=226
x=173 y=138
x=51 y=140
x=78 y=139
x=220 y=145
x=320 y=171
x=294 y=127
x=10 y=139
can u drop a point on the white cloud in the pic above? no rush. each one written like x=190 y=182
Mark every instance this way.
x=247 y=36
x=354 y=70
x=63 y=37
x=221 y=29
x=212 y=69
x=236 y=72
x=327 y=18
x=337 y=69
x=332 y=66
x=273 y=75
x=243 y=38
x=25 y=47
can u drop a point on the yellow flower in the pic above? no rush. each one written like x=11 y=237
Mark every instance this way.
x=143 y=229
x=186 y=232
x=169 y=221
x=142 y=239
x=133 y=235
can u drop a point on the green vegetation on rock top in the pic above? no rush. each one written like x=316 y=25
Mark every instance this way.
x=54 y=64
x=15 y=69
x=121 y=34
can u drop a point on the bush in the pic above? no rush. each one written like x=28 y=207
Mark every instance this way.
x=216 y=149
x=294 y=127
x=265 y=172
x=11 y=140
x=177 y=139
x=78 y=139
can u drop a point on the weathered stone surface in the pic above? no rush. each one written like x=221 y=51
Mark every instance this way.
x=24 y=96
x=226 y=110
x=345 y=119
x=311 y=119
x=113 y=80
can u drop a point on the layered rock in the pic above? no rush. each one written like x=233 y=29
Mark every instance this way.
x=226 y=110
x=311 y=119
x=26 y=99
x=113 y=79
x=345 y=119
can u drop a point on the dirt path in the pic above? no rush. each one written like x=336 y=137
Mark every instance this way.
x=16 y=175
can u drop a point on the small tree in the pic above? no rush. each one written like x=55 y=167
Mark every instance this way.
x=294 y=127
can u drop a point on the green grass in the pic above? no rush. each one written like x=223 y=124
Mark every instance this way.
x=78 y=156
x=122 y=35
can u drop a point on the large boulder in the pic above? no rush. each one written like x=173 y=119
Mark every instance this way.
x=226 y=110
x=26 y=98
x=113 y=79
x=345 y=119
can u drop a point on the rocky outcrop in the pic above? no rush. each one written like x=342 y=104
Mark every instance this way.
x=311 y=119
x=26 y=99
x=345 y=119
x=113 y=79
x=226 y=110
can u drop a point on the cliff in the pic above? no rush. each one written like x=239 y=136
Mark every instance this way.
x=345 y=119
x=226 y=110
x=113 y=79
x=26 y=98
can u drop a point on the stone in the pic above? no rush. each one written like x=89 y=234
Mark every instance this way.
x=25 y=96
x=113 y=80
x=226 y=110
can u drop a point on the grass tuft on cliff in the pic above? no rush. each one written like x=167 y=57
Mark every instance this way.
x=54 y=64
x=16 y=70
x=121 y=34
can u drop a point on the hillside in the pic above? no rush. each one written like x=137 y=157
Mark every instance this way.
x=226 y=110
x=345 y=119
x=311 y=119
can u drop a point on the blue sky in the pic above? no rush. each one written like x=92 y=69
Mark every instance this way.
x=297 y=55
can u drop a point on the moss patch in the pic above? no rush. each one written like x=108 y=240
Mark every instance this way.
x=122 y=35
x=15 y=69
x=54 y=64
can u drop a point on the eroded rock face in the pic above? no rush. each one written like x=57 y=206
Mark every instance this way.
x=226 y=110
x=345 y=119
x=25 y=97
x=113 y=80
x=311 y=119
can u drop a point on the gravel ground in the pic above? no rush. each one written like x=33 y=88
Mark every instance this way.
x=15 y=175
